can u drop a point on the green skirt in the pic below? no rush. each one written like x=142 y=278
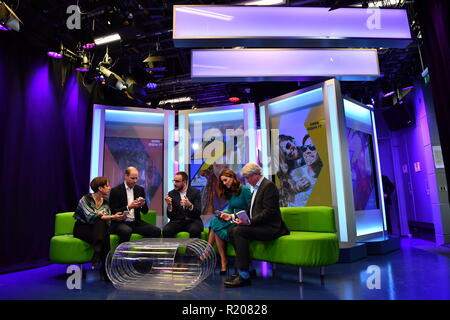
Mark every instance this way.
x=221 y=227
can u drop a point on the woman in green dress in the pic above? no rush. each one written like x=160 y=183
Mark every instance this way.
x=239 y=198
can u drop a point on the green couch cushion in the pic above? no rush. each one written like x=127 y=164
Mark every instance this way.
x=185 y=235
x=66 y=249
x=114 y=239
x=308 y=249
x=314 y=219
x=64 y=223
x=149 y=217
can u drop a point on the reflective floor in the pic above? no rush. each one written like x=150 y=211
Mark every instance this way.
x=420 y=270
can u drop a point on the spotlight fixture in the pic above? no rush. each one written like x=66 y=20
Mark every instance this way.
x=55 y=55
x=61 y=53
x=114 y=82
x=155 y=63
x=112 y=79
x=151 y=86
x=234 y=99
x=84 y=64
x=8 y=19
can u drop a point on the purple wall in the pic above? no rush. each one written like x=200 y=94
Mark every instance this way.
x=45 y=146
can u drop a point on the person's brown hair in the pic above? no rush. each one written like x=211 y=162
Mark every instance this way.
x=235 y=189
x=98 y=182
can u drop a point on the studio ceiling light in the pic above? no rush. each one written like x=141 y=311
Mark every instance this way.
x=107 y=39
x=176 y=100
x=8 y=19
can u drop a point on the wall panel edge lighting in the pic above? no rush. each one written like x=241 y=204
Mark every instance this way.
x=228 y=26
x=337 y=168
x=98 y=132
x=250 y=123
x=285 y=64
x=264 y=128
x=379 y=178
x=182 y=147
x=169 y=132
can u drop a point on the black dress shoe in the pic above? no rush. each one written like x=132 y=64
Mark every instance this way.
x=237 y=282
x=252 y=273
x=96 y=265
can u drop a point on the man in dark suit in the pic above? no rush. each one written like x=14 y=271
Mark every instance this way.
x=128 y=196
x=265 y=222
x=183 y=209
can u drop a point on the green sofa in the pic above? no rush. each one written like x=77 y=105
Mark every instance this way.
x=312 y=241
x=66 y=249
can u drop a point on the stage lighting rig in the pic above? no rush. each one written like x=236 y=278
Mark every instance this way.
x=8 y=19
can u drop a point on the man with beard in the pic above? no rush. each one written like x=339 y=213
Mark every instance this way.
x=183 y=209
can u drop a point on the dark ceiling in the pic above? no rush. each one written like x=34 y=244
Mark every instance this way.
x=146 y=29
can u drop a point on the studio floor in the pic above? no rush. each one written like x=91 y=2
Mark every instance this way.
x=419 y=270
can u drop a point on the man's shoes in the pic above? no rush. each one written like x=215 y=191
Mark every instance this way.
x=237 y=282
x=96 y=265
x=252 y=273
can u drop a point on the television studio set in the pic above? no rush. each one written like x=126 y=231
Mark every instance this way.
x=224 y=158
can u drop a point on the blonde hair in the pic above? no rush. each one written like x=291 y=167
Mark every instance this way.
x=251 y=168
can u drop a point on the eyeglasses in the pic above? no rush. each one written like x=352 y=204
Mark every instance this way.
x=289 y=145
x=308 y=146
x=177 y=181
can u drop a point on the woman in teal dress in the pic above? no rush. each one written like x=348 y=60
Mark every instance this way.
x=239 y=198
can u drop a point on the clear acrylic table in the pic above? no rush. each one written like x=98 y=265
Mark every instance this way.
x=161 y=264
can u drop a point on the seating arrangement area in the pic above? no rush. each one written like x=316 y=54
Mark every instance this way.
x=66 y=249
x=312 y=241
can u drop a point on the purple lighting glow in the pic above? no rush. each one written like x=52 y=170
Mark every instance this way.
x=151 y=85
x=54 y=55
x=81 y=69
x=389 y=94
x=2 y=28
x=88 y=46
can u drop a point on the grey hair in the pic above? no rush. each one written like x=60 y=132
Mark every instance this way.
x=251 y=168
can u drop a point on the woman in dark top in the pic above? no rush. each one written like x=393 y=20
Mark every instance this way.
x=239 y=198
x=93 y=215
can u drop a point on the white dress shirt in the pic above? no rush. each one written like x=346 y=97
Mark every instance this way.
x=130 y=199
x=255 y=190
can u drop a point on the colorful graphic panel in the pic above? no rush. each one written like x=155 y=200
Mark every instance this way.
x=221 y=146
x=303 y=174
x=363 y=170
x=145 y=155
